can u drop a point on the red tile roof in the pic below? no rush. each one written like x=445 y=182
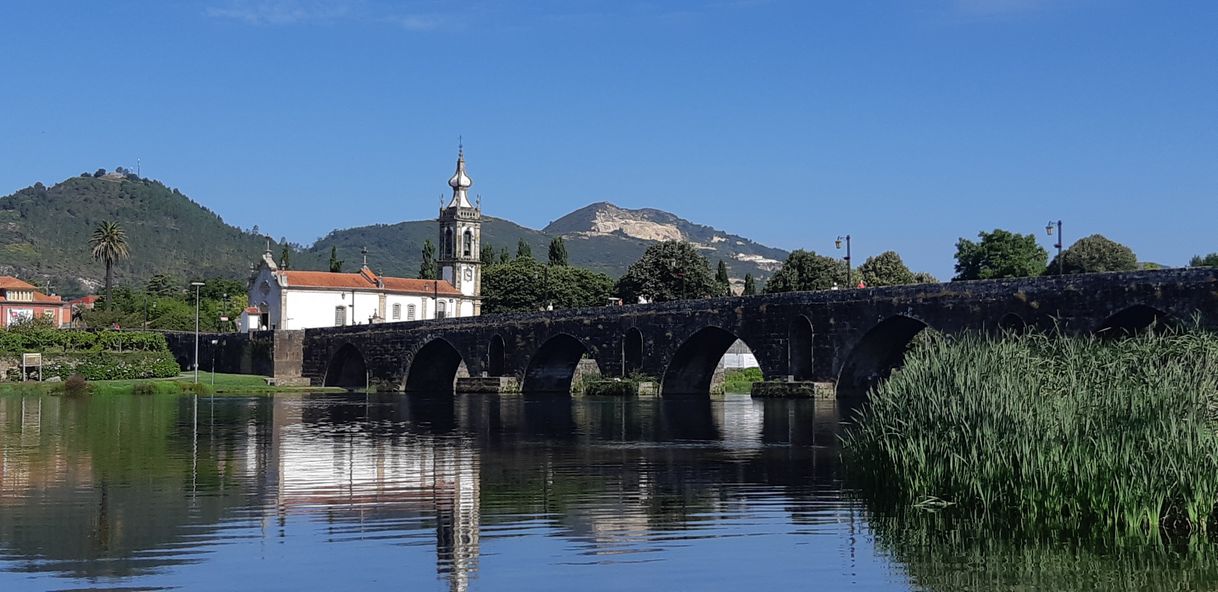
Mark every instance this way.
x=366 y=280
x=8 y=282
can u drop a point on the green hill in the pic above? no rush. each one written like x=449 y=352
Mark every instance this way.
x=44 y=234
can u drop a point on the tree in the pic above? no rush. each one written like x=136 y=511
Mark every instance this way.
x=999 y=254
x=885 y=269
x=285 y=258
x=427 y=266
x=513 y=286
x=558 y=251
x=573 y=287
x=1210 y=260
x=336 y=264
x=162 y=285
x=804 y=271
x=725 y=283
x=922 y=277
x=487 y=255
x=750 y=287
x=108 y=243
x=99 y=172
x=670 y=270
x=503 y=255
x=1094 y=254
x=523 y=250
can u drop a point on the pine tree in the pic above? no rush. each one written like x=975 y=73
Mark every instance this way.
x=487 y=255
x=427 y=267
x=558 y=251
x=503 y=256
x=336 y=264
x=523 y=250
x=750 y=288
x=725 y=283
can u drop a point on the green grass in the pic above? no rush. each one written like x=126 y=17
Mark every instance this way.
x=235 y=384
x=740 y=380
x=1061 y=432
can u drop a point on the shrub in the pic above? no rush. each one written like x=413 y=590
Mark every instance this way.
x=75 y=386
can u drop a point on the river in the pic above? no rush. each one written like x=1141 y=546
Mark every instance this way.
x=343 y=492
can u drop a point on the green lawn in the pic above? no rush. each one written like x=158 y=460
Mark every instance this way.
x=220 y=384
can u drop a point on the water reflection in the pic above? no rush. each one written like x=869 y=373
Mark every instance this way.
x=350 y=491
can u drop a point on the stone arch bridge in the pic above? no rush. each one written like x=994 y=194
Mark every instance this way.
x=847 y=337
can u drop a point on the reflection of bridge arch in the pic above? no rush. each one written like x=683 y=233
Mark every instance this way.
x=347 y=369
x=874 y=357
x=1133 y=320
x=693 y=365
x=553 y=365
x=433 y=369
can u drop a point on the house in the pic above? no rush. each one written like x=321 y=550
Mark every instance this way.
x=22 y=302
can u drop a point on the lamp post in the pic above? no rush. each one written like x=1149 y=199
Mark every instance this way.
x=197 y=285
x=213 y=361
x=1058 y=244
x=849 y=273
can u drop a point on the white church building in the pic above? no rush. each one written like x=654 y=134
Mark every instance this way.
x=283 y=299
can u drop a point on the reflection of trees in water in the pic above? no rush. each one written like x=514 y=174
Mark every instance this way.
x=87 y=484
x=938 y=554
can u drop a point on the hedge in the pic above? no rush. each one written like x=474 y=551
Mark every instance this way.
x=112 y=365
x=47 y=340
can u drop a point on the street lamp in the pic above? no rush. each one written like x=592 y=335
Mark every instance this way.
x=1058 y=244
x=197 y=285
x=838 y=244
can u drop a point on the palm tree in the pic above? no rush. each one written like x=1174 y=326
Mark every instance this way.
x=109 y=242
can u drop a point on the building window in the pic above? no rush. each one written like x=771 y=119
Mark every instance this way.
x=440 y=309
x=410 y=312
x=397 y=312
x=449 y=242
x=340 y=316
x=469 y=244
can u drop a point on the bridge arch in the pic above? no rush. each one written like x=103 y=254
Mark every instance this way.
x=433 y=368
x=692 y=367
x=495 y=356
x=632 y=350
x=799 y=347
x=552 y=367
x=1132 y=320
x=1012 y=323
x=877 y=353
x=347 y=368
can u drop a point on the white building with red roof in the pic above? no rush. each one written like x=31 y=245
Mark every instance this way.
x=283 y=299
x=21 y=302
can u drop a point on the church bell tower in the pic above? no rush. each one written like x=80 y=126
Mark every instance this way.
x=461 y=240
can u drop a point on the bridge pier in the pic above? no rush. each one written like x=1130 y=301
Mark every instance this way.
x=497 y=385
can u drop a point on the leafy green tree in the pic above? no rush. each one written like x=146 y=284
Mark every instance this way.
x=527 y=285
x=999 y=254
x=922 y=277
x=558 y=251
x=804 y=271
x=503 y=255
x=487 y=255
x=336 y=264
x=573 y=287
x=427 y=267
x=162 y=285
x=523 y=250
x=750 y=287
x=725 y=283
x=108 y=243
x=670 y=270
x=1210 y=260
x=1094 y=254
x=885 y=269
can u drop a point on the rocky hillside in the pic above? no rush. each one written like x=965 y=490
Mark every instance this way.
x=44 y=235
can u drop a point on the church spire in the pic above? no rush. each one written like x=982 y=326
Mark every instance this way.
x=460 y=182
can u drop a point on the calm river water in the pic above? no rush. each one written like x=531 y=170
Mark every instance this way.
x=346 y=492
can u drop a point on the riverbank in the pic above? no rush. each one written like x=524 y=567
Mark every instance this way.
x=1041 y=431
x=219 y=384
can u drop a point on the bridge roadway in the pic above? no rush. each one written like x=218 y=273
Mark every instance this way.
x=847 y=337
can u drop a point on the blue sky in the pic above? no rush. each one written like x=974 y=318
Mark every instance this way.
x=905 y=123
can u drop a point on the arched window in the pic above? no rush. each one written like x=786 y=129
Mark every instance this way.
x=410 y=312
x=440 y=309
x=397 y=312
x=448 y=242
x=468 y=249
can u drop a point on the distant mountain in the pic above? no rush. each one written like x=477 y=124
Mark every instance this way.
x=44 y=235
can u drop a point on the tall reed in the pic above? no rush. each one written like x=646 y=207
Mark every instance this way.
x=1048 y=430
